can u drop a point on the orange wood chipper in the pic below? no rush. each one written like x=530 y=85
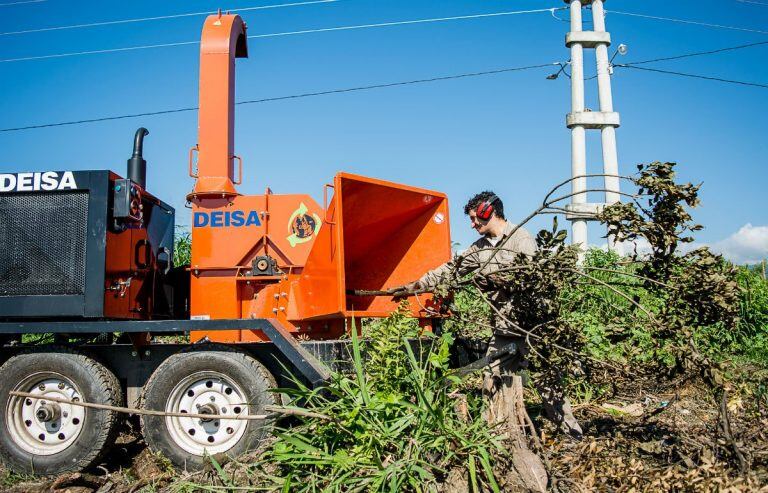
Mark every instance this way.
x=89 y=295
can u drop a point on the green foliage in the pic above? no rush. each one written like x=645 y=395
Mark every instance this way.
x=533 y=289
x=697 y=289
x=748 y=339
x=471 y=315
x=615 y=330
x=182 y=247
x=394 y=424
x=386 y=362
x=753 y=304
x=664 y=220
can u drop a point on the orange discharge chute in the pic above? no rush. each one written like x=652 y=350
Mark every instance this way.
x=283 y=256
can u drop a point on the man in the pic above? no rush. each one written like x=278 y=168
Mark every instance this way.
x=499 y=244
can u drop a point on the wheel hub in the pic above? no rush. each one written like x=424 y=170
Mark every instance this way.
x=48 y=412
x=208 y=409
x=209 y=393
x=40 y=426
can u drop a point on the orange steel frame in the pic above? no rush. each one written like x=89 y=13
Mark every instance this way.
x=371 y=234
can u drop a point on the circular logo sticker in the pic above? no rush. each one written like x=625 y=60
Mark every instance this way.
x=439 y=218
x=303 y=226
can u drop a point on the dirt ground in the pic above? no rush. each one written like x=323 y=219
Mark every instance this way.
x=634 y=440
x=665 y=440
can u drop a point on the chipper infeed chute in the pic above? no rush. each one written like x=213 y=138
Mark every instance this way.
x=376 y=235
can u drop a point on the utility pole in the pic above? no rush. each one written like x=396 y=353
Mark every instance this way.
x=581 y=119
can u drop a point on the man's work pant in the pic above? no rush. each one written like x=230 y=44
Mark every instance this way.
x=556 y=405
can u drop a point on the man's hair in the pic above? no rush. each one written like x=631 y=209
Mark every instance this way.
x=498 y=206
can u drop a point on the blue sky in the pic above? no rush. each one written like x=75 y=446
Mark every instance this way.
x=505 y=132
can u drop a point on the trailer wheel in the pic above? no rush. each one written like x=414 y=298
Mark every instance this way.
x=206 y=380
x=47 y=438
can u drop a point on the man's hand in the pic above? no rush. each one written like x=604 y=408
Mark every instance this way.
x=407 y=289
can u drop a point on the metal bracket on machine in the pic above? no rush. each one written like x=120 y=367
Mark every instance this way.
x=264 y=265
x=310 y=367
x=315 y=371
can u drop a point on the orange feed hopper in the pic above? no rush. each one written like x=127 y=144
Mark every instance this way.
x=377 y=235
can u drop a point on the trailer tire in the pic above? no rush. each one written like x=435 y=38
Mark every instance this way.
x=73 y=438
x=217 y=377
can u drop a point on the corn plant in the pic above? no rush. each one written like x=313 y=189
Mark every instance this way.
x=182 y=247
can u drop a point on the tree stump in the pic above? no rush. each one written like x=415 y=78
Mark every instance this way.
x=506 y=413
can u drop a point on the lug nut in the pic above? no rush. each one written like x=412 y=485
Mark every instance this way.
x=41 y=386
x=230 y=430
x=61 y=385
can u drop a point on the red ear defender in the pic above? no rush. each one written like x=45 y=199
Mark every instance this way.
x=485 y=209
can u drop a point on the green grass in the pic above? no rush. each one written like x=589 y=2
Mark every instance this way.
x=394 y=426
x=9 y=479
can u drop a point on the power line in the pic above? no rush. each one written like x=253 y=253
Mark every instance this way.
x=698 y=53
x=291 y=33
x=402 y=23
x=404 y=83
x=686 y=21
x=161 y=17
x=695 y=76
x=753 y=2
x=20 y=3
x=686 y=55
x=96 y=52
x=282 y=98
